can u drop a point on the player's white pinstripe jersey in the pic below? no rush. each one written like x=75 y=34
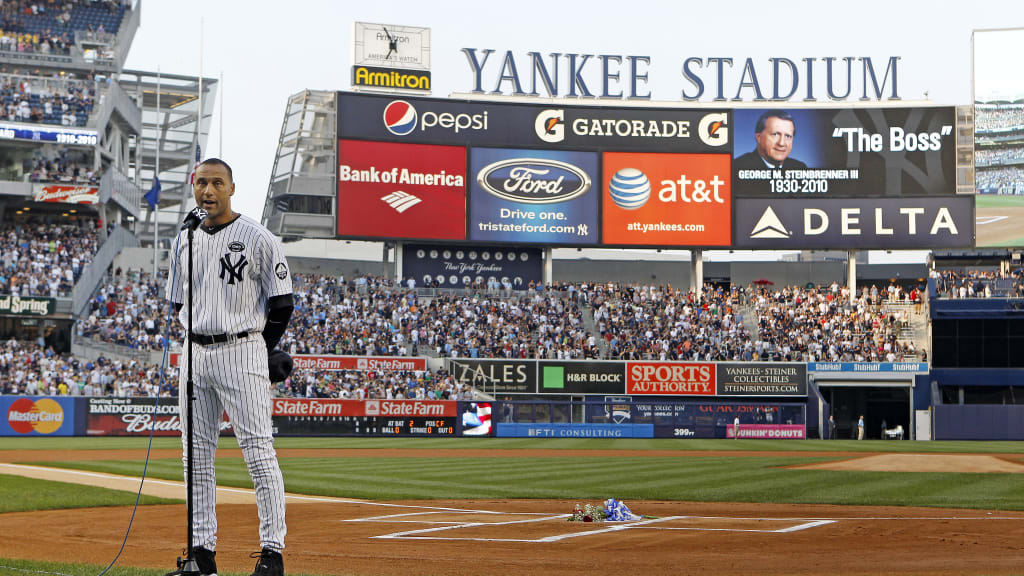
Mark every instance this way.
x=237 y=268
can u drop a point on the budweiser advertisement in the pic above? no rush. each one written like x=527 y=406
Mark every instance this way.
x=137 y=417
x=666 y=199
x=314 y=362
x=329 y=407
x=397 y=190
x=66 y=194
x=670 y=378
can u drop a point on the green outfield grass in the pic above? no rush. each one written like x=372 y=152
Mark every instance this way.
x=997 y=201
x=694 y=478
x=795 y=446
x=18 y=494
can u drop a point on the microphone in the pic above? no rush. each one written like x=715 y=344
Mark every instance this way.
x=195 y=217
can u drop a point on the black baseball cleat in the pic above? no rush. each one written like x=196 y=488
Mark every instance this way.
x=206 y=561
x=270 y=563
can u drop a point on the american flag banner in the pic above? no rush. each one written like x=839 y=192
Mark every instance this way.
x=476 y=420
x=199 y=155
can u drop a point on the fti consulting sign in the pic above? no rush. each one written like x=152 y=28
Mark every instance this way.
x=582 y=378
x=538 y=196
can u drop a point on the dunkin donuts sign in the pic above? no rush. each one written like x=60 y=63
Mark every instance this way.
x=670 y=378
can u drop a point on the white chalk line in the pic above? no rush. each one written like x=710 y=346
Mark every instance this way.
x=982 y=220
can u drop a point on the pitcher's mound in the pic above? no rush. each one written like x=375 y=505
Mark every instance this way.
x=921 y=463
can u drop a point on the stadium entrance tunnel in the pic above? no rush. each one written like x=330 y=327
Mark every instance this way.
x=882 y=403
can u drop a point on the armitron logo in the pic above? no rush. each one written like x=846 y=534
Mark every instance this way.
x=400 y=118
x=44 y=416
x=388 y=78
x=534 y=180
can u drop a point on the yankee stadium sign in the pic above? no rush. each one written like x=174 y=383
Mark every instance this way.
x=575 y=75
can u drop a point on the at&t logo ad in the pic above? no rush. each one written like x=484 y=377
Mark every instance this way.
x=533 y=196
x=401 y=118
x=667 y=199
x=43 y=416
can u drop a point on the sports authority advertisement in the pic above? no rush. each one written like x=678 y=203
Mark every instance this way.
x=388 y=190
x=37 y=416
x=890 y=152
x=582 y=378
x=379 y=363
x=670 y=378
x=533 y=196
x=458 y=267
x=757 y=379
x=854 y=223
x=666 y=199
x=495 y=376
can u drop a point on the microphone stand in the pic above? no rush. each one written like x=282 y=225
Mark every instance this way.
x=188 y=566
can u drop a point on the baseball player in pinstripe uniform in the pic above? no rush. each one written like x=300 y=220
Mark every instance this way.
x=243 y=300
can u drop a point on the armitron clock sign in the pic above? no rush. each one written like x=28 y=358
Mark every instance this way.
x=391 y=57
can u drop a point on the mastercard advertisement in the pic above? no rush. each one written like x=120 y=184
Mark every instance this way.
x=36 y=416
x=666 y=199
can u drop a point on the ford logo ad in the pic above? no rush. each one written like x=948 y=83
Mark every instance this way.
x=533 y=196
x=534 y=180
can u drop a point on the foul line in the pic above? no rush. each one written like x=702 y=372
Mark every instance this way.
x=982 y=220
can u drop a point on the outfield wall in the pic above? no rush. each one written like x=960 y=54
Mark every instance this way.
x=978 y=422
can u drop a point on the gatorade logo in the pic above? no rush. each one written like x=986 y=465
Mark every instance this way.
x=44 y=416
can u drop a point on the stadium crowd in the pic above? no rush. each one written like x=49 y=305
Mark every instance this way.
x=821 y=324
x=996 y=156
x=998 y=117
x=1005 y=180
x=44 y=260
x=61 y=167
x=30 y=369
x=36 y=99
x=978 y=284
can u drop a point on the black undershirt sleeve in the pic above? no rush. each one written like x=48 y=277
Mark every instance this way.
x=279 y=311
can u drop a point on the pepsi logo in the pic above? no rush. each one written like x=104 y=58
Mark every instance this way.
x=630 y=188
x=400 y=117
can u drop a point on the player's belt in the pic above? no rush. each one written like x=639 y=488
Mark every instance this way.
x=208 y=339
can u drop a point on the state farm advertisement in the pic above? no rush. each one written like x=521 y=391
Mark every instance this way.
x=331 y=362
x=666 y=199
x=328 y=407
x=670 y=378
x=393 y=190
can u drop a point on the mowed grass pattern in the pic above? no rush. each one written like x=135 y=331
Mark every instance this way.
x=690 y=478
x=18 y=494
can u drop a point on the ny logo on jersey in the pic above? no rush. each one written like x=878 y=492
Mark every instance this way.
x=234 y=271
